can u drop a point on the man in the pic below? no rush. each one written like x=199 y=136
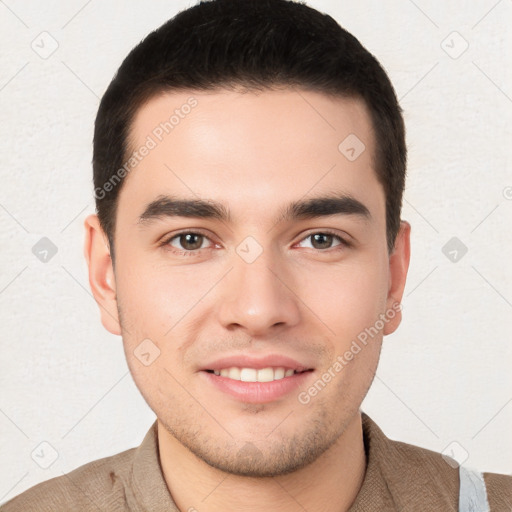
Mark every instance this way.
x=249 y=165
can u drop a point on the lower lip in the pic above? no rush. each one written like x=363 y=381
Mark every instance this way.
x=258 y=392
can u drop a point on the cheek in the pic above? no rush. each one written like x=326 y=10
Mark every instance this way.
x=158 y=303
x=151 y=302
x=154 y=297
x=347 y=299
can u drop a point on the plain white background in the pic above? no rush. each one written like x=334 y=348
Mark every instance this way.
x=444 y=380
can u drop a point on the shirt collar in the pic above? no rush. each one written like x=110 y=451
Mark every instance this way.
x=151 y=492
x=148 y=483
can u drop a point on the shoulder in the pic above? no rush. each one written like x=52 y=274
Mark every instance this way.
x=402 y=460
x=499 y=491
x=445 y=472
x=97 y=485
x=428 y=476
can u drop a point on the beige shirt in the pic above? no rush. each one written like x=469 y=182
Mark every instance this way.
x=398 y=477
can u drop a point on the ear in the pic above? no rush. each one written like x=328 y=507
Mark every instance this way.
x=101 y=273
x=398 y=266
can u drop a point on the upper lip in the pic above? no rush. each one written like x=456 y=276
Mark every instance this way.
x=257 y=362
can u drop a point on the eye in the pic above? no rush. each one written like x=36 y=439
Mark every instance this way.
x=323 y=240
x=187 y=242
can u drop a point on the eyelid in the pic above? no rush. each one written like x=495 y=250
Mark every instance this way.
x=344 y=240
x=165 y=243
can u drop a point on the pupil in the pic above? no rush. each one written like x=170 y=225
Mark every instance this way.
x=324 y=240
x=187 y=241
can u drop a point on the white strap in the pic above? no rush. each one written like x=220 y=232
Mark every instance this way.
x=472 y=493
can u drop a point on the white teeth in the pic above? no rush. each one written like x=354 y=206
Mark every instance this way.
x=265 y=375
x=255 y=375
x=248 y=375
x=234 y=373
x=278 y=373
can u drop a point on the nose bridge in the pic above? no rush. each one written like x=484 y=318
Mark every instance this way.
x=254 y=296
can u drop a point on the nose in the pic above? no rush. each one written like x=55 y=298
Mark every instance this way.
x=258 y=297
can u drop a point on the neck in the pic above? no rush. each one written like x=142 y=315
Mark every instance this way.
x=329 y=484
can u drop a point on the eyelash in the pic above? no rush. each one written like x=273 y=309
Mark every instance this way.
x=166 y=242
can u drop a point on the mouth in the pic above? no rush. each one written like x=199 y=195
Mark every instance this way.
x=246 y=374
x=253 y=379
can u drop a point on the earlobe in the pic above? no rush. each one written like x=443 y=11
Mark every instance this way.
x=101 y=273
x=398 y=266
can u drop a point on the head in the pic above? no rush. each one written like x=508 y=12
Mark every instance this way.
x=249 y=164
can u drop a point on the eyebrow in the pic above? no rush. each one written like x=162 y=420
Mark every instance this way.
x=315 y=207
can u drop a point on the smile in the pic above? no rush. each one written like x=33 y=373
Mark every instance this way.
x=268 y=374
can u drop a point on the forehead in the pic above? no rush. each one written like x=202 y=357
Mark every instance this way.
x=251 y=150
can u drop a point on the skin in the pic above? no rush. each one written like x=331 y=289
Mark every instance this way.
x=255 y=153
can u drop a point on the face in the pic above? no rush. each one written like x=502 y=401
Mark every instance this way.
x=250 y=257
